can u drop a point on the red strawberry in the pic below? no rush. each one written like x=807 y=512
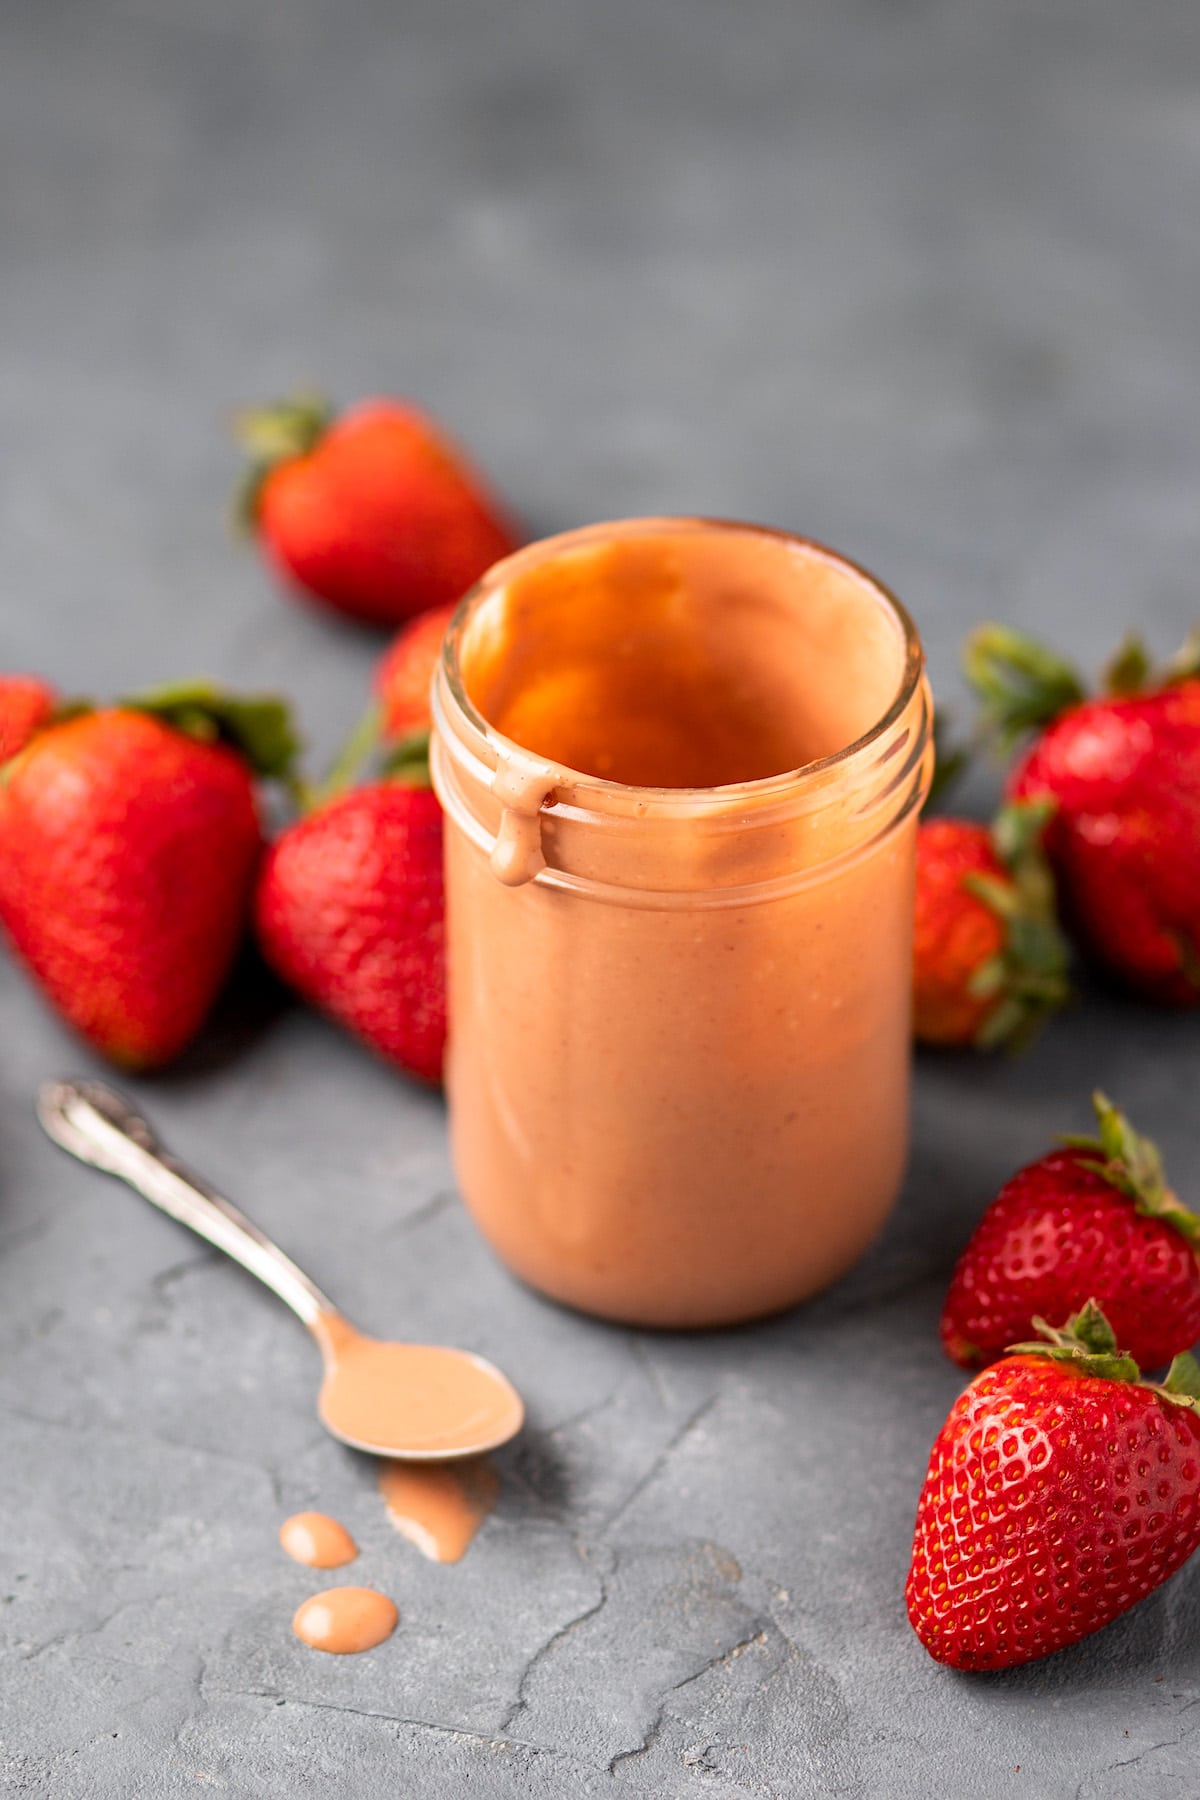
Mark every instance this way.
x=1123 y=773
x=989 y=963
x=376 y=512
x=1096 y=1219
x=1060 y=1491
x=129 y=839
x=405 y=673
x=350 y=914
x=25 y=703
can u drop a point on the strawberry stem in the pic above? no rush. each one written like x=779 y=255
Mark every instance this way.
x=358 y=749
x=409 y=760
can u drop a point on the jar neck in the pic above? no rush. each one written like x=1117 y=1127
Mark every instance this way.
x=537 y=819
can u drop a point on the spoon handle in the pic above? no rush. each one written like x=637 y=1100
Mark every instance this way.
x=98 y=1127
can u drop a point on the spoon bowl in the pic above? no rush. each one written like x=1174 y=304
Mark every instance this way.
x=438 y=1402
x=414 y=1402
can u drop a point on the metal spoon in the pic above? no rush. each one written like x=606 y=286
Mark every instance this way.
x=416 y=1401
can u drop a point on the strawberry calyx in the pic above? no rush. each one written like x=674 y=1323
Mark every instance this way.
x=1088 y=1345
x=1087 y=1342
x=1133 y=1165
x=1020 y=684
x=1185 y=664
x=258 y=726
x=1029 y=976
x=1182 y=1380
x=275 y=434
x=1131 y=671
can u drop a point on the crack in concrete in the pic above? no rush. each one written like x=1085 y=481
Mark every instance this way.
x=1130 y=1762
x=589 y=1411
x=421 y=1215
x=668 y=1450
x=270 y=1476
x=495 y=1741
x=650 y=1369
x=557 y=1637
x=26 y=1234
x=654 y=1732
x=33 y=1330
x=79 y=1634
x=166 y=1278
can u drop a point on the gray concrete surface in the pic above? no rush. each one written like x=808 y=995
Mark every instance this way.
x=919 y=278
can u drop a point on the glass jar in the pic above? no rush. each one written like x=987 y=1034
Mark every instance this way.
x=681 y=763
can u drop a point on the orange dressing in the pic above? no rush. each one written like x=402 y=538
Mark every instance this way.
x=439 y=1506
x=417 y=1398
x=318 y=1541
x=345 y=1620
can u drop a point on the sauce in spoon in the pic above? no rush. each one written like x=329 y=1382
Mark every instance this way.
x=429 y=1401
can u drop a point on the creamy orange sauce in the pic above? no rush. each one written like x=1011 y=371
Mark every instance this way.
x=318 y=1541
x=439 y=1506
x=679 y=1050
x=681 y=662
x=413 y=1399
x=345 y=1620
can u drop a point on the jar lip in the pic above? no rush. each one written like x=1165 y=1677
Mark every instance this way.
x=765 y=787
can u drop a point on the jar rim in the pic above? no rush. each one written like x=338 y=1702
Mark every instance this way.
x=763 y=788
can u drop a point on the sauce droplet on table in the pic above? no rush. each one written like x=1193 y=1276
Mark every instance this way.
x=345 y=1620
x=316 y=1540
x=439 y=1506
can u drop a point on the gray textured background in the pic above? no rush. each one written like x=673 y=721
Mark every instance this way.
x=918 y=278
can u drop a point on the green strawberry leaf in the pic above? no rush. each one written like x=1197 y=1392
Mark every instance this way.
x=1020 y=684
x=258 y=726
x=1132 y=1164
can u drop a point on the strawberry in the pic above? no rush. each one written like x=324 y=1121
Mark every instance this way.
x=1094 y=1219
x=129 y=839
x=1123 y=774
x=1061 y=1490
x=26 y=702
x=989 y=963
x=350 y=913
x=375 y=513
x=405 y=673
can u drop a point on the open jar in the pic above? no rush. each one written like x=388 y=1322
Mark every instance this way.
x=681 y=763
